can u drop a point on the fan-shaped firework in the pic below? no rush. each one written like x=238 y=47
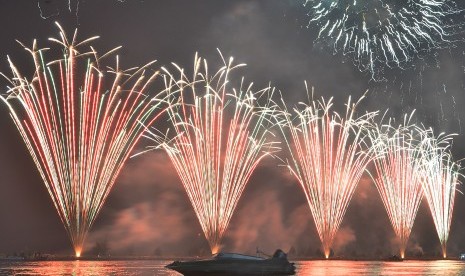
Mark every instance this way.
x=222 y=135
x=440 y=177
x=397 y=178
x=328 y=155
x=79 y=124
x=379 y=33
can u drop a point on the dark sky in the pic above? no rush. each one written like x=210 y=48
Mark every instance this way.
x=148 y=209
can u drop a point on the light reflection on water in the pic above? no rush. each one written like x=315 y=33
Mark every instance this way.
x=442 y=267
x=142 y=268
x=87 y=268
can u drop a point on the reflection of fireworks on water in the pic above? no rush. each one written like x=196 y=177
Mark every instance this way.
x=397 y=178
x=379 y=33
x=78 y=132
x=328 y=155
x=440 y=177
x=221 y=137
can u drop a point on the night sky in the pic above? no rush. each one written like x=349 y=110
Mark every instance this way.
x=148 y=210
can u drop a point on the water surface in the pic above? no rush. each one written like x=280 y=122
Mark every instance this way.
x=142 y=268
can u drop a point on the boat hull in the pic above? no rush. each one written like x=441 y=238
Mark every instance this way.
x=234 y=267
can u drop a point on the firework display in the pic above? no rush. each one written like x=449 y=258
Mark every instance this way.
x=396 y=175
x=328 y=156
x=440 y=178
x=222 y=134
x=81 y=114
x=80 y=123
x=381 y=33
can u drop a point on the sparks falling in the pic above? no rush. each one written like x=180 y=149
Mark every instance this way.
x=221 y=137
x=328 y=156
x=440 y=178
x=396 y=175
x=380 y=33
x=79 y=124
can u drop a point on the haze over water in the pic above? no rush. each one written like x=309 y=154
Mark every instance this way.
x=149 y=213
x=101 y=268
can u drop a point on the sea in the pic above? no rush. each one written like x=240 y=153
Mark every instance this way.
x=154 y=267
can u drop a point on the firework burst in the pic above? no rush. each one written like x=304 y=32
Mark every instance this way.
x=80 y=123
x=222 y=134
x=379 y=33
x=328 y=156
x=440 y=177
x=397 y=178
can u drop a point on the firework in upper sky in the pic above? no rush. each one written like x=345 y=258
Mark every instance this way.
x=328 y=156
x=440 y=177
x=222 y=134
x=79 y=122
x=396 y=175
x=379 y=33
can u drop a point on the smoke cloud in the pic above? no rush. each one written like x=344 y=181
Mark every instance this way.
x=148 y=211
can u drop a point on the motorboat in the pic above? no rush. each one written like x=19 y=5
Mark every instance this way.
x=236 y=264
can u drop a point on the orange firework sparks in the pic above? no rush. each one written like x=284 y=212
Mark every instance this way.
x=397 y=178
x=440 y=177
x=80 y=127
x=222 y=134
x=328 y=156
